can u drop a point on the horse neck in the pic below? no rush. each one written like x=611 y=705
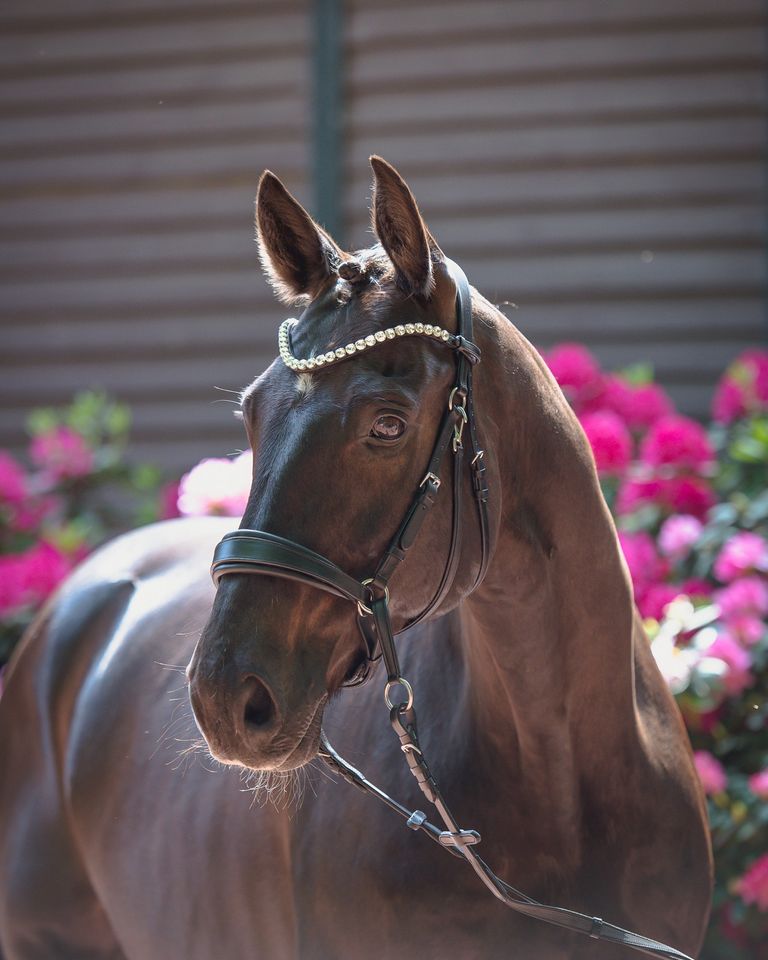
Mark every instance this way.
x=548 y=637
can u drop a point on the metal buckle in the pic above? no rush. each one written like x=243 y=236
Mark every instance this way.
x=433 y=477
x=408 y=689
x=453 y=394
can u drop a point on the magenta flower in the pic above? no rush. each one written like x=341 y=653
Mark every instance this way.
x=738 y=676
x=62 y=454
x=12 y=582
x=653 y=601
x=758 y=784
x=692 y=495
x=747 y=595
x=644 y=563
x=744 y=553
x=678 y=534
x=677 y=441
x=573 y=366
x=696 y=587
x=636 y=493
x=12 y=480
x=639 y=406
x=753 y=886
x=217 y=487
x=710 y=771
x=743 y=388
x=169 y=501
x=610 y=440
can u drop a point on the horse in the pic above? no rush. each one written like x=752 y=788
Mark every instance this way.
x=545 y=719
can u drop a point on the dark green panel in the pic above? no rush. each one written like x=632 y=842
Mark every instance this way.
x=327 y=80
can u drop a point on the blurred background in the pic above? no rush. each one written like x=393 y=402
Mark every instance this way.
x=600 y=165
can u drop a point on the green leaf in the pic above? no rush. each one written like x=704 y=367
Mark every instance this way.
x=638 y=374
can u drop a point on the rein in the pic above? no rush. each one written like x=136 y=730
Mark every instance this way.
x=258 y=552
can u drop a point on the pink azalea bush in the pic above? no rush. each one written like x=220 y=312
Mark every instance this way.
x=691 y=507
x=60 y=503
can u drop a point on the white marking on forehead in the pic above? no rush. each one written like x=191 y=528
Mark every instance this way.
x=305 y=384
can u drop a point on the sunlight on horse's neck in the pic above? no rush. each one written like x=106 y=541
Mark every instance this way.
x=549 y=634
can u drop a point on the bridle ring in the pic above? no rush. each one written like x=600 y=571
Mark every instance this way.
x=401 y=681
x=362 y=609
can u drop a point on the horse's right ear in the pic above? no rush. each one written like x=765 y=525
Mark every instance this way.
x=297 y=255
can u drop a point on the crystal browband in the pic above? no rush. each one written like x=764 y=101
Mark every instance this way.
x=340 y=353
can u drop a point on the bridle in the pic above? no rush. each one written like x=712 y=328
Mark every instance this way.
x=258 y=552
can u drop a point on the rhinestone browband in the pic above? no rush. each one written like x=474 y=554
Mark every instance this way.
x=341 y=353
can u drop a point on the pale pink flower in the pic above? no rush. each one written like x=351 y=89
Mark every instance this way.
x=758 y=784
x=62 y=454
x=745 y=595
x=677 y=441
x=738 y=662
x=216 y=487
x=753 y=886
x=610 y=440
x=711 y=772
x=678 y=534
x=747 y=630
x=12 y=480
x=743 y=553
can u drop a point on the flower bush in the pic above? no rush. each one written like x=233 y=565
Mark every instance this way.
x=74 y=491
x=691 y=506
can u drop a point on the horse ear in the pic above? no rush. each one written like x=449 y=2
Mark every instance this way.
x=401 y=230
x=296 y=254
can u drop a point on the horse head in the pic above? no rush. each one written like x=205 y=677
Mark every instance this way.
x=341 y=439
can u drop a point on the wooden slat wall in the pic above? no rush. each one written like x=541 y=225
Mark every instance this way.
x=132 y=135
x=598 y=164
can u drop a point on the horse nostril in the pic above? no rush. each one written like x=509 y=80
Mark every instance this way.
x=259 y=707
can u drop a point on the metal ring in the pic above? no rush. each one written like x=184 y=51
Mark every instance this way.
x=408 y=689
x=361 y=607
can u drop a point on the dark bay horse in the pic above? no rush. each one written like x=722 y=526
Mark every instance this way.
x=543 y=714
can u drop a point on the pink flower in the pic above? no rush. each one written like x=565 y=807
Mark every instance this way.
x=710 y=771
x=678 y=534
x=12 y=480
x=653 y=601
x=758 y=784
x=743 y=553
x=644 y=563
x=169 y=501
x=736 y=659
x=696 y=587
x=743 y=388
x=45 y=567
x=62 y=454
x=634 y=494
x=753 y=886
x=29 y=578
x=747 y=630
x=12 y=582
x=610 y=440
x=691 y=495
x=746 y=595
x=577 y=372
x=216 y=487
x=677 y=441
x=639 y=406
x=573 y=366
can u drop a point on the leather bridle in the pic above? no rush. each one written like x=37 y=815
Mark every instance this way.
x=258 y=552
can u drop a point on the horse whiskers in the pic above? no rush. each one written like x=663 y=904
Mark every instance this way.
x=284 y=789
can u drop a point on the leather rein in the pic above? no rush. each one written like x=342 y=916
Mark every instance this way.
x=258 y=552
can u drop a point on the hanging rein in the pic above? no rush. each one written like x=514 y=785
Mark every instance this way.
x=258 y=552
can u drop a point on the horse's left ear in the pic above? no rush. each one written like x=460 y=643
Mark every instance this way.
x=402 y=231
x=297 y=255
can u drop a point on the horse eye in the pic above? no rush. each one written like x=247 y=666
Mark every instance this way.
x=388 y=427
